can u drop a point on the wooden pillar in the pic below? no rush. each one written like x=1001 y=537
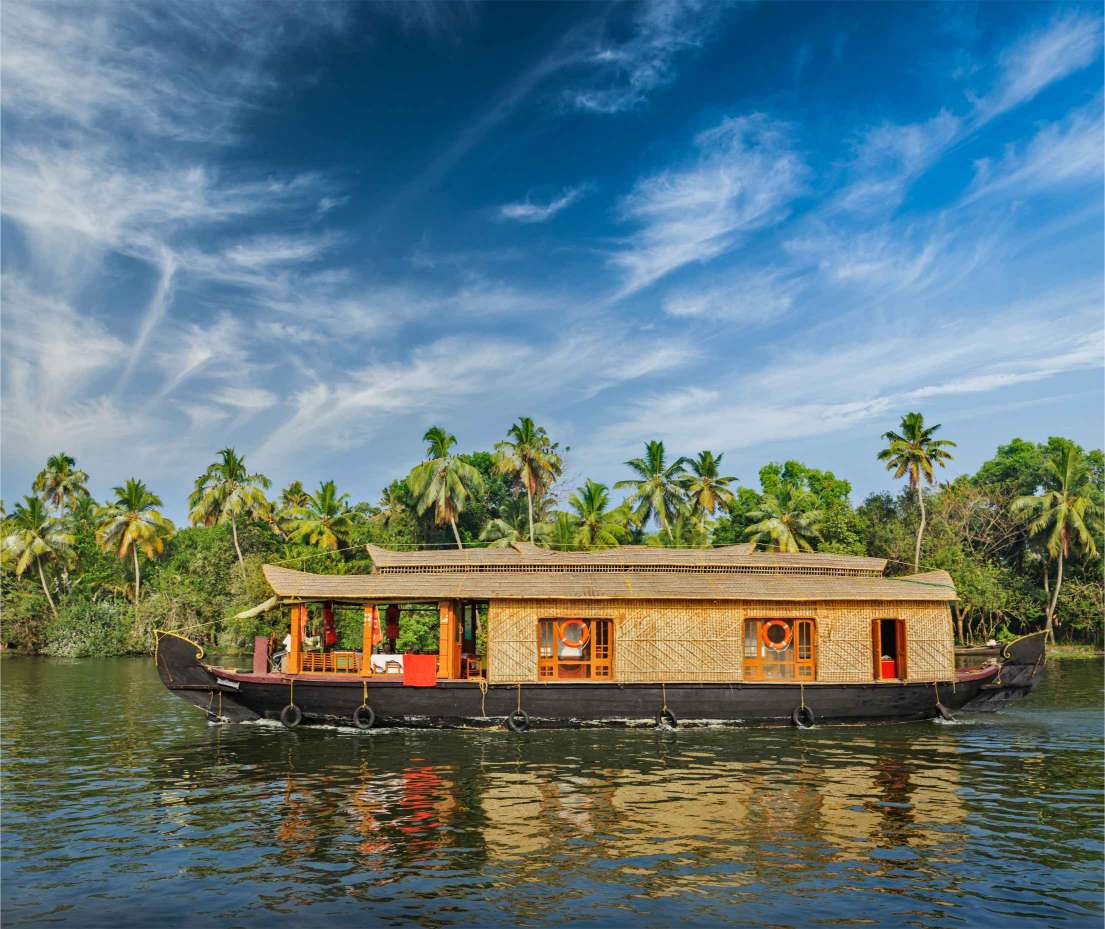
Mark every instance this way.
x=448 y=649
x=295 y=653
x=368 y=638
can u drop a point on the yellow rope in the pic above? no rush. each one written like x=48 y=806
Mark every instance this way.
x=483 y=697
x=519 y=686
x=802 y=693
x=364 y=697
x=663 y=697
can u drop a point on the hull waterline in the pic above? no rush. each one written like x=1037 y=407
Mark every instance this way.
x=235 y=696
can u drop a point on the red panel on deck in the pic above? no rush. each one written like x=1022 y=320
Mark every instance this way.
x=419 y=670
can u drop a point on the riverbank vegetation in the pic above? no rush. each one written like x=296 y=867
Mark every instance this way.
x=1022 y=537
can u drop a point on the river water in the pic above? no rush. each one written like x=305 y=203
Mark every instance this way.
x=123 y=807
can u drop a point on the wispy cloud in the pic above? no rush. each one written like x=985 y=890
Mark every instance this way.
x=1063 y=153
x=889 y=157
x=529 y=212
x=745 y=177
x=1040 y=58
x=625 y=72
x=744 y=296
x=816 y=390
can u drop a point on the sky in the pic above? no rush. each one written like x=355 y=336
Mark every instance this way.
x=312 y=231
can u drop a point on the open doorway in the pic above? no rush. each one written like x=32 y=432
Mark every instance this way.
x=889 y=649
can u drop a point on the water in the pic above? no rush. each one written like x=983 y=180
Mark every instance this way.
x=123 y=807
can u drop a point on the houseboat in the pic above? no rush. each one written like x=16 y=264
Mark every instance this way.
x=529 y=637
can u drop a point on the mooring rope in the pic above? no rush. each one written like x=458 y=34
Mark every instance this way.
x=483 y=697
x=802 y=693
x=519 y=686
x=663 y=697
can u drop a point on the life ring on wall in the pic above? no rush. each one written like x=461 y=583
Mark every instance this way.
x=584 y=634
x=771 y=643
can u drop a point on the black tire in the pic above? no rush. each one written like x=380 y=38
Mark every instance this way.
x=364 y=717
x=291 y=716
x=666 y=718
x=944 y=712
x=518 y=721
x=803 y=717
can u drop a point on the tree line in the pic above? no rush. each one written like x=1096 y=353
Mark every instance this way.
x=1022 y=537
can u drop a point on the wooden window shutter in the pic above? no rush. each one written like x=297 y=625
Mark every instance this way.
x=876 y=650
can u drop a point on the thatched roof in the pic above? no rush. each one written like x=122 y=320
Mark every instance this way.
x=521 y=556
x=630 y=572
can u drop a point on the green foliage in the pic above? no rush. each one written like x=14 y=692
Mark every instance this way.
x=418 y=631
x=193 y=581
x=92 y=628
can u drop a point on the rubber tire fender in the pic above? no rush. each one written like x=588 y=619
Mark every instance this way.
x=666 y=718
x=803 y=717
x=944 y=712
x=291 y=716
x=518 y=721
x=364 y=717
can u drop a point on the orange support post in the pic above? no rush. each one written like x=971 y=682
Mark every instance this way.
x=448 y=648
x=295 y=653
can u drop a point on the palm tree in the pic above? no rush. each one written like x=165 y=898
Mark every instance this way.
x=686 y=530
x=597 y=527
x=444 y=481
x=529 y=456
x=326 y=520
x=293 y=497
x=61 y=483
x=912 y=453
x=1064 y=515
x=393 y=503
x=704 y=486
x=559 y=530
x=227 y=491
x=785 y=521
x=132 y=522
x=508 y=527
x=656 y=490
x=32 y=536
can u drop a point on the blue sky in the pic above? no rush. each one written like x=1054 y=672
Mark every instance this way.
x=311 y=231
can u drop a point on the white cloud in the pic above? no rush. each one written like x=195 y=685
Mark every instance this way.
x=466 y=373
x=745 y=177
x=819 y=389
x=529 y=212
x=625 y=72
x=744 y=296
x=1068 y=152
x=889 y=157
x=1069 y=43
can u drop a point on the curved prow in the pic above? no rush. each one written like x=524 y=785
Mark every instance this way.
x=1020 y=668
x=181 y=669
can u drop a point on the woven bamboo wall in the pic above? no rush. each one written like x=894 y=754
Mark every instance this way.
x=695 y=640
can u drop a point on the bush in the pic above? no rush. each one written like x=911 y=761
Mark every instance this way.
x=92 y=629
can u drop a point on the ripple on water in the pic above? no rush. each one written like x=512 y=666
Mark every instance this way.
x=146 y=813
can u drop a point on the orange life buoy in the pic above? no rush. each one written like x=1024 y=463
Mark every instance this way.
x=776 y=646
x=584 y=634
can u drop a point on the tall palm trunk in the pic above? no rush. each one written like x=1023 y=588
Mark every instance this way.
x=529 y=504
x=456 y=535
x=237 y=547
x=1050 y=627
x=920 y=530
x=137 y=577
x=45 y=589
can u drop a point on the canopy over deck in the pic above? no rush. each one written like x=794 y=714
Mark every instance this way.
x=525 y=572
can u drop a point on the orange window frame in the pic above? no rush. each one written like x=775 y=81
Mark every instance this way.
x=802 y=657
x=597 y=664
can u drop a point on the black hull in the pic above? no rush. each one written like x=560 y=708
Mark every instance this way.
x=239 y=697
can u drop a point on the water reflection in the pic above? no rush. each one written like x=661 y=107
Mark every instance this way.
x=142 y=802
